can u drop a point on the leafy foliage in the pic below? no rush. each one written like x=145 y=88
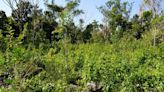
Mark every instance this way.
x=53 y=54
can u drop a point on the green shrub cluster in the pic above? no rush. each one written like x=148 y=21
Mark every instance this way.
x=126 y=66
x=46 y=51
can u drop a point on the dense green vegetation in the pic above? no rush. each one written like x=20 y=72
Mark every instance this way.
x=45 y=51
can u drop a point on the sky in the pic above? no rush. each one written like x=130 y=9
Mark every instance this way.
x=88 y=6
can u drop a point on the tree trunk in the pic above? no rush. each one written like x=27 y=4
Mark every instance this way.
x=154 y=36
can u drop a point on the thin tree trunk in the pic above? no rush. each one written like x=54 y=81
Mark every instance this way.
x=154 y=36
x=33 y=33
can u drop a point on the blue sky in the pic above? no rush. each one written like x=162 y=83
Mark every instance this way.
x=89 y=7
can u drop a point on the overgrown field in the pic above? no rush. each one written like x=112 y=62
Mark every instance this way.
x=46 y=46
x=126 y=66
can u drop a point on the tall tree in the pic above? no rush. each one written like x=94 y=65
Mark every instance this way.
x=51 y=15
x=155 y=7
x=20 y=10
x=116 y=15
x=3 y=20
x=64 y=15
